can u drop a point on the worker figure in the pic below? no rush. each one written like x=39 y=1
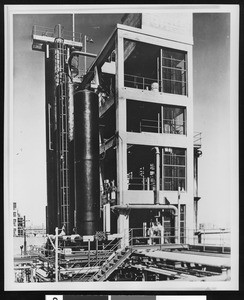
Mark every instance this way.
x=150 y=234
x=158 y=230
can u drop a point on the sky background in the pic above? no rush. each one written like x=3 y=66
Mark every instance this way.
x=211 y=69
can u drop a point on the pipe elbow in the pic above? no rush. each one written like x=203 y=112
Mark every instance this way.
x=156 y=150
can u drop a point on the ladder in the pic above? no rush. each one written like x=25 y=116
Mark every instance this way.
x=62 y=103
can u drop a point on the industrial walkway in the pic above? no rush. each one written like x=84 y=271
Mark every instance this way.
x=217 y=261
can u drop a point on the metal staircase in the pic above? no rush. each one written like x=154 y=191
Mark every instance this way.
x=94 y=263
x=100 y=270
x=115 y=258
x=111 y=264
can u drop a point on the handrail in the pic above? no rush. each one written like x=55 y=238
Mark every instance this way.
x=175 y=126
x=95 y=259
x=50 y=32
x=151 y=79
x=109 y=258
x=108 y=254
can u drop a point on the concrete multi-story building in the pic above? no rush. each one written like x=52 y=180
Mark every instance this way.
x=145 y=77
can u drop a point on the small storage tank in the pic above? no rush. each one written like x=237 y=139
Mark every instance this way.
x=86 y=155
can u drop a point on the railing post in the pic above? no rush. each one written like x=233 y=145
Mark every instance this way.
x=96 y=250
x=89 y=249
x=158 y=123
x=56 y=254
x=204 y=240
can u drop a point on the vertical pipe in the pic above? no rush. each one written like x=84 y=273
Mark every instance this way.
x=108 y=229
x=178 y=227
x=162 y=172
x=96 y=250
x=162 y=119
x=47 y=50
x=85 y=37
x=161 y=69
x=157 y=153
x=56 y=254
x=73 y=26
x=195 y=173
x=71 y=157
x=106 y=218
x=158 y=122
x=158 y=74
x=162 y=235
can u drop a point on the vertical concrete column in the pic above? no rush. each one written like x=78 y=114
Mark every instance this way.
x=123 y=229
x=106 y=218
x=190 y=154
x=121 y=150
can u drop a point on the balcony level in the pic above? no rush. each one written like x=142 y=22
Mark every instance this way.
x=155 y=118
x=42 y=35
x=156 y=68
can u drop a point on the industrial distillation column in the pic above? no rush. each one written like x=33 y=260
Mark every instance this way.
x=86 y=154
x=52 y=136
x=59 y=123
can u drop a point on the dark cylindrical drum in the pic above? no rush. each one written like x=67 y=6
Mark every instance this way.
x=86 y=154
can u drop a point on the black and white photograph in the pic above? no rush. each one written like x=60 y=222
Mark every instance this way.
x=121 y=147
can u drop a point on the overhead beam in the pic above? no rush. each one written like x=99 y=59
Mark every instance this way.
x=108 y=144
x=99 y=60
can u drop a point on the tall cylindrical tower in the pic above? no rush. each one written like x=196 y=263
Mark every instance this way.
x=52 y=138
x=86 y=154
x=59 y=123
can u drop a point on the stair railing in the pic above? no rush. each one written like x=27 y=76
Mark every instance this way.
x=98 y=262
x=130 y=234
x=101 y=262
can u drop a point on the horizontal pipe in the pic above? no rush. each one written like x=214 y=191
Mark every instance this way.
x=73 y=53
x=149 y=206
x=146 y=206
x=83 y=54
